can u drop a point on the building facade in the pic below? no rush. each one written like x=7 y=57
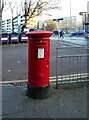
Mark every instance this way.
x=18 y=21
x=7 y=26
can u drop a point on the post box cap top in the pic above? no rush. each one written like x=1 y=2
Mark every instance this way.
x=39 y=33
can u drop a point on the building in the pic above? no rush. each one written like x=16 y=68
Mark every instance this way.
x=18 y=21
x=7 y=26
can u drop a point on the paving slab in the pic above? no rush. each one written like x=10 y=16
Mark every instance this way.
x=62 y=103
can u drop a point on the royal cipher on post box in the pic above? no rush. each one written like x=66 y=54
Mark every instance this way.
x=38 y=64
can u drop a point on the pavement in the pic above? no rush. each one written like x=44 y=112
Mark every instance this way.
x=68 y=101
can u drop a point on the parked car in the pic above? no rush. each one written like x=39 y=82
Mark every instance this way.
x=79 y=33
x=14 y=38
x=4 y=38
x=30 y=30
x=23 y=37
x=55 y=32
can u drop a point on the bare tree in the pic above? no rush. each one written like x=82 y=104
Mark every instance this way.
x=51 y=25
x=1 y=9
x=1 y=5
x=11 y=6
x=12 y=11
x=33 y=9
x=55 y=4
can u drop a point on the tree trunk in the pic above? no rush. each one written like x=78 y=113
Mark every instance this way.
x=24 y=25
x=0 y=22
x=12 y=26
x=12 y=21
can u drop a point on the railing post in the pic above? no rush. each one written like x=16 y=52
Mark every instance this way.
x=57 y=67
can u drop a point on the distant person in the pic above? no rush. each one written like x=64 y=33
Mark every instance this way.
x=61 y=34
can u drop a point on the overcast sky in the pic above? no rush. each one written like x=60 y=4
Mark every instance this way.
x=76 y=7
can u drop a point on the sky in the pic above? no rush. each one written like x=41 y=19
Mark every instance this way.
x=76 y=7
x=6 y=14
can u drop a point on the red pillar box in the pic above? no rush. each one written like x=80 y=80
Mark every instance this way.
x=38 y=63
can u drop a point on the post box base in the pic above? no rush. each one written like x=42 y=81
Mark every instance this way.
x=38 y=92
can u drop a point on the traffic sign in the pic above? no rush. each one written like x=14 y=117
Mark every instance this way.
x=58 y=19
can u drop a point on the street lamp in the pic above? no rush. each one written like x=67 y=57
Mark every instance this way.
x=84 y=17
x=58 y=21
x=88 y=11
x=45 y=25
x=26 y=8
x=26 y=13
x=70 y=16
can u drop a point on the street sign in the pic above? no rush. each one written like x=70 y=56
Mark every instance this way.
x=58 y=19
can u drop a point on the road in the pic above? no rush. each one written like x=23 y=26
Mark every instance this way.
x=74 y=40
x=15 y=59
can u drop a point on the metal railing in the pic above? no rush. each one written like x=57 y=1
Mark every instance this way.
x=71 y=68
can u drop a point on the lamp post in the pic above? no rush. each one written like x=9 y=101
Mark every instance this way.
x=26 y=8
x=84 y=17
x=58 y=21
x=70 y=16
x=88 y=11
x=45 y=25
x=26 y=13
x=59 y=26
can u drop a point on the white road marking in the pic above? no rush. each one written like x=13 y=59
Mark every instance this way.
x=69 y=43
x=53 y=79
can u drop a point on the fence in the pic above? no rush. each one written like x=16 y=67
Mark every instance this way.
x=73 y=66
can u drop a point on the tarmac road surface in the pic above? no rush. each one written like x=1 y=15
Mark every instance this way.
x=15 y=60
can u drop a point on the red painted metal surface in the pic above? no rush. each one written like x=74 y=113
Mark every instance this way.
x=39 y=58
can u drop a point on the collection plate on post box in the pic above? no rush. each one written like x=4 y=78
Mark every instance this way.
x=40 y=53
